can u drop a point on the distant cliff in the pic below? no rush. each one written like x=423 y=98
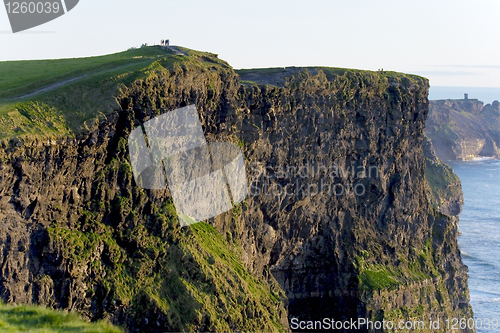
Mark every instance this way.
x=339 y=223
x=384 y=254
x=463 y=129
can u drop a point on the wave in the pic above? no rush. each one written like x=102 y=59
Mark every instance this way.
x=476 y=260
x=466 y=255
x=482 y=297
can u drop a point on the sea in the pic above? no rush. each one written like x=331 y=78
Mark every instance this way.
x=480 y=235
x=486 y=95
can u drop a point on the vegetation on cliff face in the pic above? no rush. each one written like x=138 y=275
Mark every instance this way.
x=135 y=262
x=463 y=129
x=420 y=266
x=195 y=282
x=82 y=236
x=439 y=177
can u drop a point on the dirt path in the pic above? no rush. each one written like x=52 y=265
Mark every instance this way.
x=50 y=88
x=175 y=49
x=56 y=85
x=67 y=81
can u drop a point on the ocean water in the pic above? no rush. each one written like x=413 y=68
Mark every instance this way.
x=486 y=95
x=480 y=238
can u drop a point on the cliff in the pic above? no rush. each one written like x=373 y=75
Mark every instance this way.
x=338 y=223
x=380 y=254
x=444 y=188
x=463 y=129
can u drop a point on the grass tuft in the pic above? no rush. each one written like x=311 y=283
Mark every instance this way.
x=33 y=319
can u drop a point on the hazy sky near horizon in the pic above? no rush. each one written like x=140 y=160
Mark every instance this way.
x=452 y=42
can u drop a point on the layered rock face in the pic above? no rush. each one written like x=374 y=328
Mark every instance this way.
x=463 y=129
x=338 y=214
x=360 y=252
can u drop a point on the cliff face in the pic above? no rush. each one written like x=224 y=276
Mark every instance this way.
x=338 y=214
x=78 y=234
x=444 y=188
x=463 y=129
x=367 y=253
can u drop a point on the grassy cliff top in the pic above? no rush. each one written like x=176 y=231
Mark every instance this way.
x=35 y=319
x=278 y=76
x=57 y=98
x=54 y=98
x=18 y=78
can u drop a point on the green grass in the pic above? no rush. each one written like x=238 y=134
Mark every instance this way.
x=418 y=267
x=376 y=278
x=79 y=105
x=21 y=77
x=331 y=73
x=35 y=319
x=198 y=275
x=74 y=106
x=246 y=299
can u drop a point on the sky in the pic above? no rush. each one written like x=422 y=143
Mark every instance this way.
x=453 y=43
